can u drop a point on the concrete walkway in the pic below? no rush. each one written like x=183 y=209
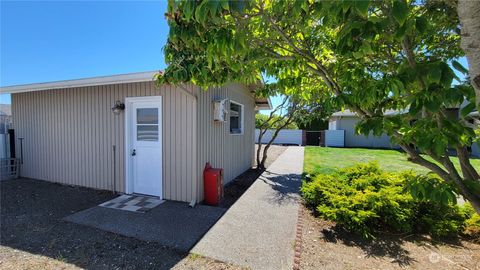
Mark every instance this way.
x=172 y=224
x=258 y=231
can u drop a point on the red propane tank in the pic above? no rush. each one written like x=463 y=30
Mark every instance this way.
x=212 y=184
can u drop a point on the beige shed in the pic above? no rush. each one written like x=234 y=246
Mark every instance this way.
x=124 y=133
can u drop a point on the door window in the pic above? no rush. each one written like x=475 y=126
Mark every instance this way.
x=147 y=124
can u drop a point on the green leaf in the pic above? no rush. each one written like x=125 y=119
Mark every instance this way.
x=362 y=6
x=421 y=24
x=433 y=105
x=467 y=109
x=415 y=107
x=213 y=7
x=200 y=12
x=188 y=9
x=459 y=67
x=434 y=74
x=366 y=48
x=399 y=85
x=447 y=75
x=400 y=33
x=357 y=54
x=400 y=11
x=225 y=4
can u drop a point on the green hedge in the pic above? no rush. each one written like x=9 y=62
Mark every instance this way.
x=364 y=199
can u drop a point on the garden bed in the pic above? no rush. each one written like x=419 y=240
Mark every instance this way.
x=326 y=246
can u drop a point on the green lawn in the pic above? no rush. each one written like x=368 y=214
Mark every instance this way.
x=326 y=160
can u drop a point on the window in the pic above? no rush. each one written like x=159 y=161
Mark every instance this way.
x=147 y=124
x=236 y=118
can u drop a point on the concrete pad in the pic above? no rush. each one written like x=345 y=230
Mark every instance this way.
x=258 y=231
x=172 y=224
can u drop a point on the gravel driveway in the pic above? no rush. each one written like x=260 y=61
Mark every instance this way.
x=33 y=236
x=31 y=216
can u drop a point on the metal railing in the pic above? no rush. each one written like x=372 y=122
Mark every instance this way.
x=9 y=168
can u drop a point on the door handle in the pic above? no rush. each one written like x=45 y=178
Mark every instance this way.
x=134 y=153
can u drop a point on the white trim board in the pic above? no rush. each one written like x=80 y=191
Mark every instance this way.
x=242 y=115
x=102 y=80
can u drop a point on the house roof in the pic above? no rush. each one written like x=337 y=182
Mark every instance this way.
x=261 y=103
x=102 y=80
x=348 y=113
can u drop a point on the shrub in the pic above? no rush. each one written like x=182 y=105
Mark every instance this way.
x=472 y=224
x=365 y=199
x=439 y=220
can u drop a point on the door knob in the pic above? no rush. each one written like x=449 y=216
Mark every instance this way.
x=134 y=153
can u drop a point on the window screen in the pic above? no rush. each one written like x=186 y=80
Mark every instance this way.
x=147 y=124
x=236 y=114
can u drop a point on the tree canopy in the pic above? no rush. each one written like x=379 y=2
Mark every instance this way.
x=368 y=56
x=277 y=122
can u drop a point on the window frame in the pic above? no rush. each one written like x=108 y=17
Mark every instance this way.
x=137 y=124
x=242 y=113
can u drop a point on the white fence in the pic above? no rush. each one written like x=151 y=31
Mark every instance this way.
x=335 y=138
x=285 y=136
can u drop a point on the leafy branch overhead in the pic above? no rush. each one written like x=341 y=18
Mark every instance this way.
x=368 y=56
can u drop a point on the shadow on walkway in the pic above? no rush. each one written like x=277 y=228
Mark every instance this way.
x=286 y=187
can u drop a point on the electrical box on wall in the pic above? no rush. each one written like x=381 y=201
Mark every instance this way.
x=220 y=110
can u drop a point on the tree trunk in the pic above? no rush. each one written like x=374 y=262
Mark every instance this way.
x=259 y=148
x=468 y=170
x=468 y=13
x=274 y=136
x=449 y=176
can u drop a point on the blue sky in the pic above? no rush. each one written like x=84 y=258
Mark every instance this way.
x=59 y=40
x=49 y=41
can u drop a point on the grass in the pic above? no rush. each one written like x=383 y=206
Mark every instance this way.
x=327 y=160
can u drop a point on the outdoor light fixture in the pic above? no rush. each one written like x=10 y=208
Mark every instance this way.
x=118 y=107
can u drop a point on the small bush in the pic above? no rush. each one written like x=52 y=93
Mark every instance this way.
x=439 y=220
x=472 y=224
x=365 y=199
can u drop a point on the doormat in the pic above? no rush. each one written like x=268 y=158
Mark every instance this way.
x=133 y=203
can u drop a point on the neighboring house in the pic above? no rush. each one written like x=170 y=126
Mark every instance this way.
x=475 y=150
x=5 y=118
x=156 y=143
x=474 y=119
x=341 y=132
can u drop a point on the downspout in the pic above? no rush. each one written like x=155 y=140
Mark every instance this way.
x=195 y=183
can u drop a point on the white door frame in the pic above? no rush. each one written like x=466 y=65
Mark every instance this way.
x=129 y=140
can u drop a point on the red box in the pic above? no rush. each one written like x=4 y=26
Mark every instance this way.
x=212 y=185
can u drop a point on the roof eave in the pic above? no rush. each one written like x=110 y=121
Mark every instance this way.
x=103 y=80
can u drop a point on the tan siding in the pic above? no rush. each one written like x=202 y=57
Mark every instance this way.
x=233 y=153
x=70 y=133
x=69 y=136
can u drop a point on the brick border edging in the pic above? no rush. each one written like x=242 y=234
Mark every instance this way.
x=298 y=239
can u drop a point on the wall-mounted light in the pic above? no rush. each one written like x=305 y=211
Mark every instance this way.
x=118 y=107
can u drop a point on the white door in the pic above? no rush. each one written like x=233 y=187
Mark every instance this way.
x=146 y=146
